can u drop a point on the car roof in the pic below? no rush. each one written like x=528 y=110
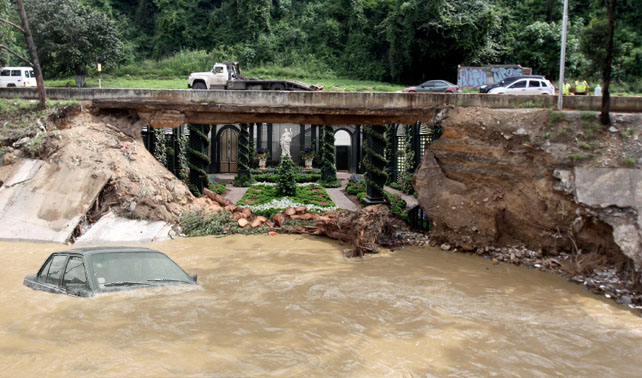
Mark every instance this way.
x=16 y=68
x=524 y=77
x=88 y=251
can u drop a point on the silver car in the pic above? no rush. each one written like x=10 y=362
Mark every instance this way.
x=89 y=271
x=530 y=86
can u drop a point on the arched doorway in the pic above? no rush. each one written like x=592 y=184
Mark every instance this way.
x=228 y=151
x=343 y=149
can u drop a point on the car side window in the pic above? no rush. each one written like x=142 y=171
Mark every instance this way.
x=519 y=84
x=534 y=84
x=75 y=272
x=5 y=73
x=42 y=275
x=16 y=73
x=55 y=270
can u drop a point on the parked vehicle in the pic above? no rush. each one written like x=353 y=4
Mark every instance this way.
x=17 y=77
x=435 y=86
x=90 y=271
x=487 y=87
x=526 y=87
x=227 y=75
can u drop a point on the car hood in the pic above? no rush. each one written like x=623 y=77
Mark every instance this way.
x=199 y=73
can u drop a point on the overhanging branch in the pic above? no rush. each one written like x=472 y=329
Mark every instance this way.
x=12 y=24
x=16 y=54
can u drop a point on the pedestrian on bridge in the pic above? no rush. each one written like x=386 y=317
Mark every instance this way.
x=566 y=88
x=581 y=87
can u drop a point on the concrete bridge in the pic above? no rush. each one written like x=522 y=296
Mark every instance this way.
x=172 y=108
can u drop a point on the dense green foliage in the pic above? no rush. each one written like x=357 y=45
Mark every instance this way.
x=286 y=177
x=269 y=175
x=401 y=41
x=72 y=39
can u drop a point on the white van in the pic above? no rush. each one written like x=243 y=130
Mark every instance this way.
x=17 y=77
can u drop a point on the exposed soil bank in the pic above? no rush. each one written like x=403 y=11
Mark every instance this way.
x=557 y=184
x=86 y=167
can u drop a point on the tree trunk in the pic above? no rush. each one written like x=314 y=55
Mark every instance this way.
x=33 y=54
x=605 y=119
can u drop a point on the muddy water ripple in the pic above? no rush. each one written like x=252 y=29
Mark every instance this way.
x=293 y=306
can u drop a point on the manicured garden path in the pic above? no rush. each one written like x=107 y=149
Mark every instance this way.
x=234 y=193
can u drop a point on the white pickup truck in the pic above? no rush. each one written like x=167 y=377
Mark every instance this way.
x=228 y=76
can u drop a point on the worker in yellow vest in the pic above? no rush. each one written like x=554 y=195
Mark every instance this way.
x=566 y=88
x=581 y=87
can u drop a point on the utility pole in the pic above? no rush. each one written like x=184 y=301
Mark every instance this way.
x=562 y=57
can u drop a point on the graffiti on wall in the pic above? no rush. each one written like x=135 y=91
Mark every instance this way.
x=474 y=77
x=471 y=77
x=501 y=73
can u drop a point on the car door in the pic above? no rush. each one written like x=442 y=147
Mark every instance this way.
x=441 y=86
x=50 y=274
x=534 y=87
x=428 y=86
x=74 y=281
x=220 y=75
x=5 y=76
x=518 y=87
x=16 y=78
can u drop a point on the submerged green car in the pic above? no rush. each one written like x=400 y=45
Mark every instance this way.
x=86 y=272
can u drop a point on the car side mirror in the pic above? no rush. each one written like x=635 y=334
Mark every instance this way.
x=195 y=278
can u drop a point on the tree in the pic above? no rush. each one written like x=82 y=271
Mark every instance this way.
x=26 y=30
x=606 y=71
x=71 y=38
x=429 y=38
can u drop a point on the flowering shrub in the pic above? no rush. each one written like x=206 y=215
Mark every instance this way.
x=307 y=153
x=262 y=152
x=216 y=187
x=356 y=184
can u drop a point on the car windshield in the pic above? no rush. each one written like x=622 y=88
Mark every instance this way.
x=135 y=268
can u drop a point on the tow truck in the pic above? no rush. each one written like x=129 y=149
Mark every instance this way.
x=227 y=76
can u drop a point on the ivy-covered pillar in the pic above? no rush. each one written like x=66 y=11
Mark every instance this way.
x=269 y=141
x=244 y=154
x=391 y=152
x=328 y=170
x=158 y=145
x=198 y=159
x=375 y=164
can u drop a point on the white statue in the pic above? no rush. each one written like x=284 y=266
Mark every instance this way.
x=286 y=138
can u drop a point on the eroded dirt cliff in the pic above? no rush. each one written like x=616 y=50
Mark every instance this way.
x=555 y=183
x=99 y=158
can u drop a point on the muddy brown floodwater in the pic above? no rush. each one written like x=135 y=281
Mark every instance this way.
x=293 y=306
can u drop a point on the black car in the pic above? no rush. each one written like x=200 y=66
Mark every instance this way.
x=487 y=87
x=89 y=271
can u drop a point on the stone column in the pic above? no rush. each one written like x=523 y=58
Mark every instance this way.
x=198 y=159
x=375 y=175
x=328 y=170
x=269 y=141
x=301 y=143
x=244 y=152
x=259 y=134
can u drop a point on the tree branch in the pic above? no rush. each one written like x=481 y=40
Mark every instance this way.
x=16 y=54
x=12 y=24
